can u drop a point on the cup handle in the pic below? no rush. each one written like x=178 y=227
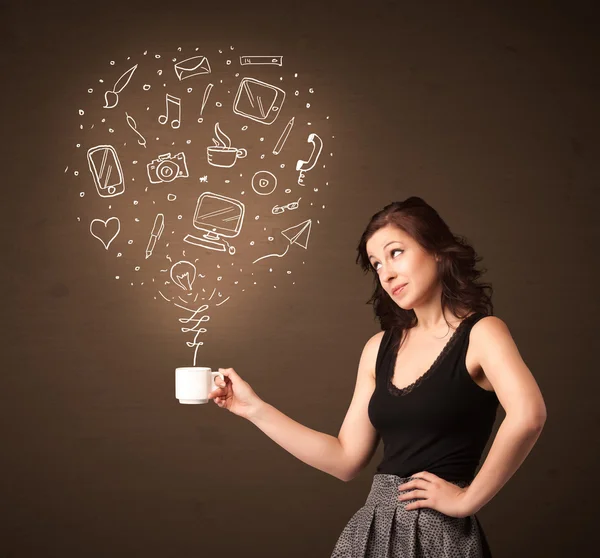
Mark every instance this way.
x=214 y=374
x=241 y=153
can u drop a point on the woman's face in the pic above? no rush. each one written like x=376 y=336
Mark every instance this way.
x=399 y=259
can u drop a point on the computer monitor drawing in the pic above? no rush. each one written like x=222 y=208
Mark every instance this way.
x=218 y=217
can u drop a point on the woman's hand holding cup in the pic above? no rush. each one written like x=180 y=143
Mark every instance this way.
x=235 y=394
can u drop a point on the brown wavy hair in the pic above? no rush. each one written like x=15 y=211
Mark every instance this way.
x=456 y=268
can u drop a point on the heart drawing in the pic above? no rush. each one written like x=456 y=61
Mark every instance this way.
x=103 y=230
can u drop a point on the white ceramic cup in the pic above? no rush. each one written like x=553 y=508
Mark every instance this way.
x=194 y=383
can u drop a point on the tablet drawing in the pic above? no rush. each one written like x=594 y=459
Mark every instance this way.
x=258 y=101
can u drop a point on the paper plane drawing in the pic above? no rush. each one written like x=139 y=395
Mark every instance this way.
x=299 y=234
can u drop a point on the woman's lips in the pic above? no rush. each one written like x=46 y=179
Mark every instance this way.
x=398 y=290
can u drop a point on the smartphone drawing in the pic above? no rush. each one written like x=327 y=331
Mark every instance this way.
x=258 y=101
x=106 y=170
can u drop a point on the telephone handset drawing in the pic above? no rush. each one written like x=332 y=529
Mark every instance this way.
x=305 y=166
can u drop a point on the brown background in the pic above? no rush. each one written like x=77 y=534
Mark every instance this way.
x=490 y=113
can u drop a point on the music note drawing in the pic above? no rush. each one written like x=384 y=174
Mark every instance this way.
x=172 y=103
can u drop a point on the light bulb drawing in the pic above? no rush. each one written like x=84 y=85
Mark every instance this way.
x=183 y=274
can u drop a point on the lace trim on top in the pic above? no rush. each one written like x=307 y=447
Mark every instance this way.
x=403 y=391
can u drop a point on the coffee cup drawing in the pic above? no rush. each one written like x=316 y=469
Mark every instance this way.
x=194 y=383
x=222 y=154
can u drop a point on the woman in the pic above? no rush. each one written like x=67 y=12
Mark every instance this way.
x=429 y=385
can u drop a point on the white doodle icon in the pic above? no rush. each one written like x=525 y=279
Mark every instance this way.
x=305 y=166
x=197 y=65
x=264 y=183
x=298 y=234
x=281 y=208
x=132 y=124
x=258 y=101
x=259 y=60
x=207 y=91
x=283 y=137
x=172 y=103
x=167 y=168
x=197 y=321
x=112 y=97
x=105 y=231
x=183 y=274
x=157 y=230
x=218 y=217
x=222 y=154
x=106 y=170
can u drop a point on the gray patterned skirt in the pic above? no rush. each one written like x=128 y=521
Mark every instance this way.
x=382 y=528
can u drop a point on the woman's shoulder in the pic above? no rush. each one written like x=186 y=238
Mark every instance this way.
x=374 y=341
x=492 y=325
x=487 y=332
x=372 y=350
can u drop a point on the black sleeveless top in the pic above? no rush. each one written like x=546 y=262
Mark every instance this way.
x=442 y=422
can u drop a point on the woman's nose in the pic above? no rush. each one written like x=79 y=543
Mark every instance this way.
x=387 y=274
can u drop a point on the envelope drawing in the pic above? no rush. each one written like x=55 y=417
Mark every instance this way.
x=194 y=66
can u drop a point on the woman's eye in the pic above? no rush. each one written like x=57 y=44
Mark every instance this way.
x=391 y=252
